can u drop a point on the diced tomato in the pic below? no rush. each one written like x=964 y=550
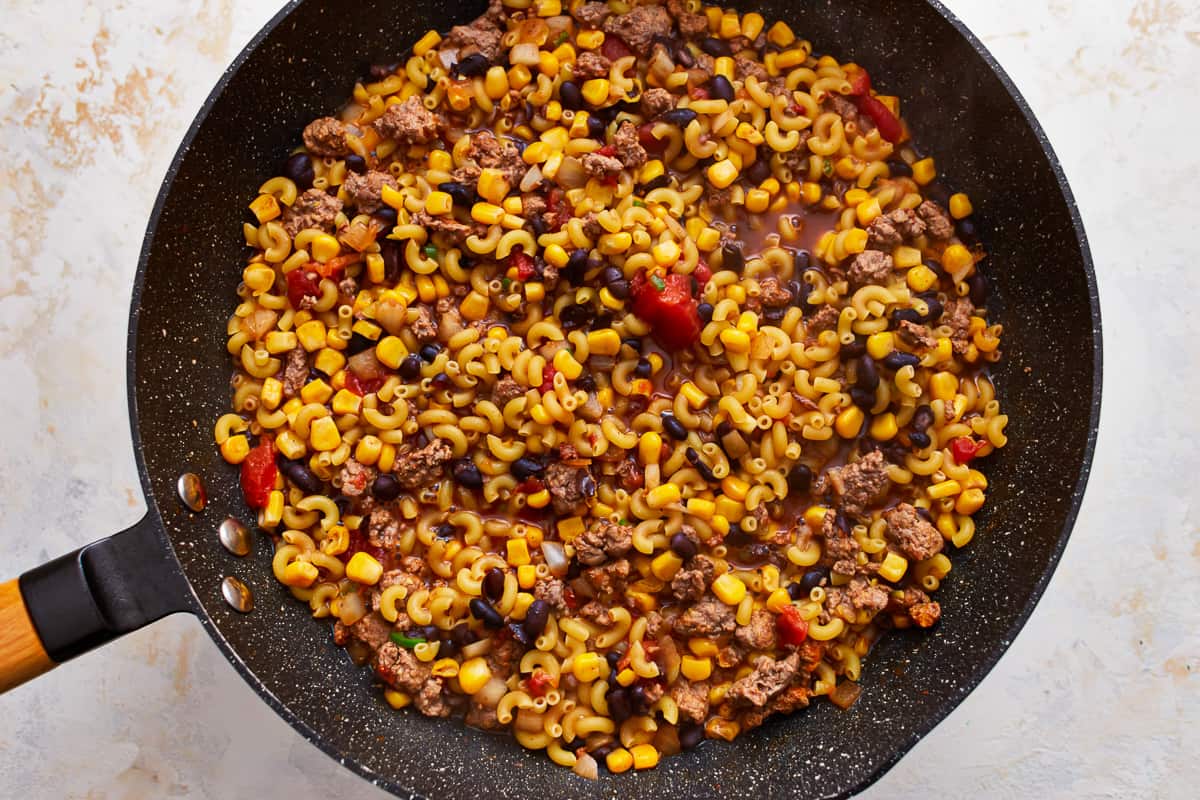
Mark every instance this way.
x=648 y=141
x=548 y=373
x=698 y=93
x=569 y=598
x=335 y=268
x=567 y=452
x=258 y=475
x=964 y=448
x=889 y=126
x=793 y=630
x=359 y=543
x=557 y=211
x=614 y=47
x=362 y=386
x=302 y=282
x=524 y=264
x=609 y=150
x=530 y=486
x=668 y=305
x=539 y=683
x=703 y=273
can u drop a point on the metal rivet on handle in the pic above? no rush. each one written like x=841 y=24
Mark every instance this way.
x=191 y=491
x=237 y=594
x=235 y=537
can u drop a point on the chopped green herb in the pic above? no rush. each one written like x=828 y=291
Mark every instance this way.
x=562 y=37
x=639 y=204
x=623 y=521
x=407 y=642
x=430 y=250
x=505 y=283
x=827 y=167
x=658 y=282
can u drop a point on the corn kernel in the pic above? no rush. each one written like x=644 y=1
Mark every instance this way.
x=722 y=173
x=324 y=247
x=943 y=489
x=728 y=589
x=324 y=434
x=299 y=574
x=778 y=600
x=627 y=677
x=781 y=34
x=473 y=675
x=943 y=386
x=272 y=394
x=703 y=648
x=391 y=351
x=438 y=203
x=650 y=447
x=440 y=160
x=696 y=669
x=587 y=666
x=814 y=516
x=699 y=507
x=665 y=253
x=492 y=185
x=273 y=513
x=921 y=278
x=570 y=528
x=396 y=700
x=665 y=565
x=757 y=201
x=474 y=306
x=363 y=568
x=856 y=240
x=527 y=576
x=975 y=480
x=849 y=422
x=880 y=345
x=970 y=501
x=265 y=208
x=883 y=427
x=735 y=341
x=538 y=499
x=644 y=756
x=893 y=567
x=663 y=496
x=311 y=335
x=867 y=212
x=924 y=171
x=960 y=206
x=235 y=449
x=518 y=552
x=604 y=342
x=708 y=239
x=595 y=91
x=487 y=213
x=619 y=760
x=735 y=488
x=317 y=391
x=346 y=402
x=956 y=258
x=329 y=361
x=565 y=363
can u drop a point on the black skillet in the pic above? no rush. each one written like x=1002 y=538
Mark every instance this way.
x=302 y=65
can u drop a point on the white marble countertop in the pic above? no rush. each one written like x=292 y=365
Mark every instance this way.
x=1098 y=696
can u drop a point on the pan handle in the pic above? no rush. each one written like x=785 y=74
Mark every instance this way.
x=84 y=599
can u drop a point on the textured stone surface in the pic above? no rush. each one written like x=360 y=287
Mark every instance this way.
x=1096 y=698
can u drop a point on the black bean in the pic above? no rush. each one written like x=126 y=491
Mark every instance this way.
x=896 y=360
x=813 y=578
x=906 y=315
x=759 y=171
x=519 y=634
x=577 y=266
x=472 y=66
x=463 y=635
x=620 y=289
x=920 y=440
x=586 y=382
x=613 y=658
x=724 y=428
x=899 y=169
x=448 y=648
x=799 y=478
x=674 y=427
x=393 y=259
x=935 y=308
x=854 y=349
x=801 y=260
x=637 y=698
x=483 y=612
x=356 y=163
x=570 y=96
x=445 y=531
x=385 y=488
x=410 y=367
x=720 y=88
x=862 y=398
x=603 y=320
x=656 y=183
x=299 y=473
x=493 y=584
x=385 y=216
x=601 y=750
x=796 y=591
x=924 y=514
x=595 y=127
x=536 y=618
x=936 y=266
x=868 y=375
x=979 y=289
x=460 y=193
x=922 y=418
x=611 y=275
x=429 y=352
x=587 y=485
x=690 y=735
x=576 y=316
x=299 y=169
x=715 y=47
x=705 y=310
x=620 y=707
x=644 y=368
x=678 y=116
x=732 y=257
x=683 y=546
x=467 y=474
x=441 y=381
x=968 y=231
x=525 y=468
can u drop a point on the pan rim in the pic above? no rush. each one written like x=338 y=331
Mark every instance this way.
x=940 y=713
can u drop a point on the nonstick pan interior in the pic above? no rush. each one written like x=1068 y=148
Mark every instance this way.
x=985 y=143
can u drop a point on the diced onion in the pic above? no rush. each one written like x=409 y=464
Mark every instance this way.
x=526 y=53
x=491 y=692
x=556 y=558
x=571 y=174
x=845 y=694
x=586 y=767
x=351 y=608
x=531 y=180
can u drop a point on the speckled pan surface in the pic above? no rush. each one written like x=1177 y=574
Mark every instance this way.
x=986 y=143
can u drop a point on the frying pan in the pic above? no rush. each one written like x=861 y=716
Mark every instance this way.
x=300 y=66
